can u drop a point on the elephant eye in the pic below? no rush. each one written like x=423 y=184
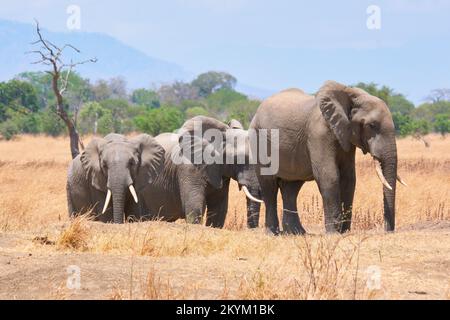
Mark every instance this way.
x=373 y=125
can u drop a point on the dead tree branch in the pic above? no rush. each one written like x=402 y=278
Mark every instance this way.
x=51 y=55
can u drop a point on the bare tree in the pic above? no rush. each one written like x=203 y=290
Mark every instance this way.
x=437 y=95
x=51 y=55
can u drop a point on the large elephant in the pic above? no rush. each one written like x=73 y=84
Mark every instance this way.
x=185 y=190
x=114 y=167
x=318 y=136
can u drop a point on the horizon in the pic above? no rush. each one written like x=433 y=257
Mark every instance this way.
x=303 y=45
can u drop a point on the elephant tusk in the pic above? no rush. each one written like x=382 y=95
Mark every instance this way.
x=380 y=175
x=401 y=181
x=133 y=193
x=247 y=193
x=108 y=199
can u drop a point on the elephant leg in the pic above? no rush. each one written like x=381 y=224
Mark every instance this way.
x=269 y=190
x=291 y=220
x=347 y=183
x=328 y=182
x=217 y=206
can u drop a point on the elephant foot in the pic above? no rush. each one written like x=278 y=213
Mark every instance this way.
x=292 y=224
x=272 y=231
x=193 y=218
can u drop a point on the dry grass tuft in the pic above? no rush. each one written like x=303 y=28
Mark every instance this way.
x=76 y=235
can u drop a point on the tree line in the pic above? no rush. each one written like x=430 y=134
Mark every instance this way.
x=27 y=105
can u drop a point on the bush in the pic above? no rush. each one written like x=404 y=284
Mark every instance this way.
x=442 y=123
x=8 y=129
x=156 y=121
x=52 y=123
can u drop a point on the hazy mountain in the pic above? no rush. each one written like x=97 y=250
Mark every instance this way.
x=114 y=57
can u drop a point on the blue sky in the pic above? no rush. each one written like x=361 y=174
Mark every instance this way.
x=274 y=44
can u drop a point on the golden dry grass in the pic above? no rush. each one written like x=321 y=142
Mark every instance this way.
x=182 y=261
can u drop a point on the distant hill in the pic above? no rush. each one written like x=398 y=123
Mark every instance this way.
x=114 y=57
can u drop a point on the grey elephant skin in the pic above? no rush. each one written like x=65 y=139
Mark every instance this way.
x=185 y=191
x=113 y=168
x=318 y=136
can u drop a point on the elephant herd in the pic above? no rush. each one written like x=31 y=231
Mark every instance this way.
x=141 y=178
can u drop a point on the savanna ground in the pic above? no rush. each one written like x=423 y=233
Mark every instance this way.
x=156 y=260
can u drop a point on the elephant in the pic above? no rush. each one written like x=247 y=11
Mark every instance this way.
x=185 y=190
x=318 y=136
x=108 y=168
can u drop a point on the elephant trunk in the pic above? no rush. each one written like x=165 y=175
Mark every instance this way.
x=119 y=186
x=118 y=195
x=389 y=168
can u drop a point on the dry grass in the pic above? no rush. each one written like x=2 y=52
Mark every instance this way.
x=184 y=261
x=76 y=235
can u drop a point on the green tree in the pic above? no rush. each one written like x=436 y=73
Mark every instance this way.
x=119 y=109
x=95 y=119
x=147 y=98
x=209 y=82
x=157 y=121
x=218 y=102
x=19 y=96
x=51 y=123
x=442 y=123
x=8 y=129
x=243 y=110
x=395 y=101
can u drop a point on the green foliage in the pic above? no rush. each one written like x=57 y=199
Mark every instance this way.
x=27 y=105
x=243 y=111
x=196 y=111
x=408 y=119
x=406 y=125
x=19 y=96
x=210 y=82
x=8 y=129
x=51 y=123
x=119 y=109
x=95 y=119
x=221 y=100
x=156 y=121
x=442 y=123
x=147 y=98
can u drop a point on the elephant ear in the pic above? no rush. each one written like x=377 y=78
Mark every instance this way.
x=152 y=157
x=90 y=160
x=335 y=104
x=192 y=150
